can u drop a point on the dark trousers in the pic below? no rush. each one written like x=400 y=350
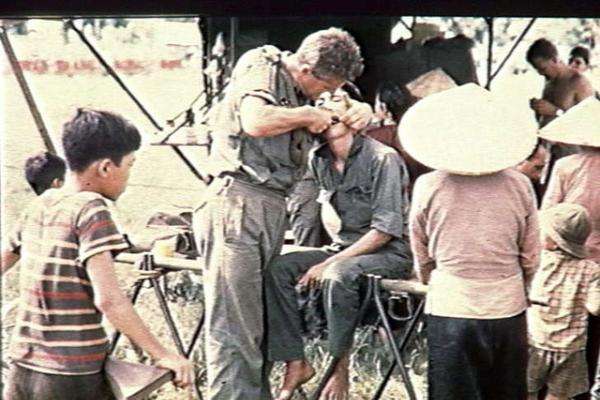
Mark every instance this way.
x=477 y=359
x=26 y=384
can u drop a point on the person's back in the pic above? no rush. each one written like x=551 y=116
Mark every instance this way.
x=58 y=329
x=563 y=282
x=473 y=223
x=577 y=180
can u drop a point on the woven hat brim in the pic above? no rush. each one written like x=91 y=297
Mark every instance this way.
x=580 y=125
x=467 y=131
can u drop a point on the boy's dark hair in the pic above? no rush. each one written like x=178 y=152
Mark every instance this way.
x=580 y=51
x=541 y=48
x=93 y=135
x=42 y=169
x=396 y=98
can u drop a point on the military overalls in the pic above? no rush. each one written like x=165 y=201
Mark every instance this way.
x=239 y=225
x=371 y=193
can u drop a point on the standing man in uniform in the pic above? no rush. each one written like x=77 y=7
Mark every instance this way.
x=364 y=209
x=261 y=137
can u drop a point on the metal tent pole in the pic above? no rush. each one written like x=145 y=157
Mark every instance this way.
x=514 y=46
x=37 y=117
x=490 y=24
x=116 y=77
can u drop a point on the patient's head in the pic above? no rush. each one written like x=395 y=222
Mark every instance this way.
x=338 y=103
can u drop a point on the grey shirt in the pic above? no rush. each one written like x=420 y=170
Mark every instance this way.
x=274 y=162
x=370 y=194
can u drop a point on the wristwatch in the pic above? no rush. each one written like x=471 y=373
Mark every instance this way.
x=559 y=112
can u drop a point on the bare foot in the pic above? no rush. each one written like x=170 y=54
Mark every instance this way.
x=338 y=385
x=297 y=372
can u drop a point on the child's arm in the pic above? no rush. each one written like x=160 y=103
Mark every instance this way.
x=593 y=299
x=115 y=305
x=8 y=260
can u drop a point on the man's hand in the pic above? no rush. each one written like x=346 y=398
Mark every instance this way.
x=183 y=368
x=319 y=119
x=543 y=107
x=313 y=276
x=358 y=116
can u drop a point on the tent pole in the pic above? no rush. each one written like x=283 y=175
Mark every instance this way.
x=37 y=117
x=490 y=24
x=514 y=46
x=116 y=77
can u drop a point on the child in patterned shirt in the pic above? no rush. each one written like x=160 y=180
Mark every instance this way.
x=65 y=241
x=570 y=286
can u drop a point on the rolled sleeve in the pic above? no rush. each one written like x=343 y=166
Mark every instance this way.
x=255 y=77
x=417 y=223
x=97 y=231
x=388 y=196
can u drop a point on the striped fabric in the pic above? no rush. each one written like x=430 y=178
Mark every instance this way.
x=58 y=327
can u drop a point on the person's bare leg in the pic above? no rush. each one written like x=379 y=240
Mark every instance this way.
x=339 y=384
x=550 y=396
x=297 y=372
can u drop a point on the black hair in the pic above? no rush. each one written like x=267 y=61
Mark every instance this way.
x=93 y=135
x=42 y=169
x=541 y=48
x=396 y=98
x=580 y=51
x=353 y=91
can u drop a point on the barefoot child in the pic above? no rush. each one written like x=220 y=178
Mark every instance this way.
x=66 y=241
x=570 y=285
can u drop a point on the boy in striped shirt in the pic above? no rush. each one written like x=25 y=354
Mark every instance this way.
x=66 y=241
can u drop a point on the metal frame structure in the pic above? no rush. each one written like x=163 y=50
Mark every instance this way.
x=148 y=264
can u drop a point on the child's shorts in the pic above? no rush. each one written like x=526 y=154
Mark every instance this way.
x=565 y=374
x=26 y=384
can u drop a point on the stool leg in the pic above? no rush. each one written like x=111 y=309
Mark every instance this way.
x=195 y=336
x=403 y=343
x=392 y=343
x=361 y=313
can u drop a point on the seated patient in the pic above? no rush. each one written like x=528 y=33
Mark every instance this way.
x=364 y=208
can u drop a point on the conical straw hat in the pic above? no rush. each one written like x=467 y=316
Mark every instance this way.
x=467 y=131
x=579 y=125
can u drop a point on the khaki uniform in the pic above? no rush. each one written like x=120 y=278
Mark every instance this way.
x=369 y=195
x=239 y=225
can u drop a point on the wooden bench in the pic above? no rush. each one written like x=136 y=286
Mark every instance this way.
x=131 y=381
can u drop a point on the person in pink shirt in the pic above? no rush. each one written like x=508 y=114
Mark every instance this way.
x=475 y=238
x=576 y=179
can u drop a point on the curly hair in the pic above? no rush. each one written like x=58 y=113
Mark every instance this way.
x=332 y=53
x=93 y=135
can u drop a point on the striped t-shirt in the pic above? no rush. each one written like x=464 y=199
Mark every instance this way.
x=58 y=327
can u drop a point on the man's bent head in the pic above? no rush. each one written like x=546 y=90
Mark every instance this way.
x=543 y=56
x=328 y=58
